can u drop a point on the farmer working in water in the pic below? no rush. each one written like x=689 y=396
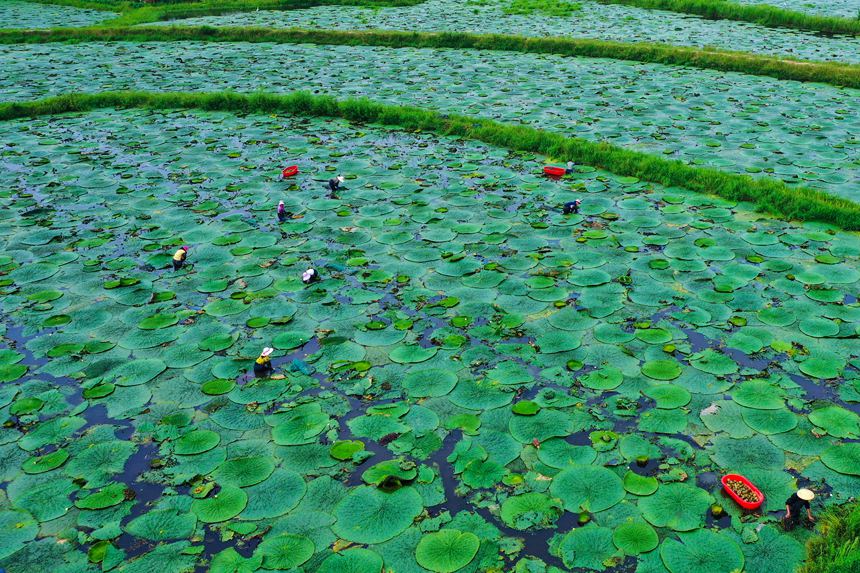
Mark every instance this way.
x=282 y=212
x=334 y=183
x=263 y=364
x=569 y=169
x=310 y=276
x=179 y=257
x=794 y=505
x=571 y=207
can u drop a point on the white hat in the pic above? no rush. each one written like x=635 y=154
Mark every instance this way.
x=266 y=351
x=805 y=494
x=280 y=202
x=340 y=178
x=308 y=274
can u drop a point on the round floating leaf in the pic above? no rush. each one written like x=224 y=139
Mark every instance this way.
x=668 y=396
x=285 y=551
x=291 y=339
x=411 y=354
x=759 y=394
x=639 y=484
x=217 y=387
x=678 y=506
x=587 y=488
x=11 y=372
x=356 y=560
x=838 y=422
x=244 y=471
x=226 y=504
x=661 y=369
x=430 y=382
x=823 y=365
x=635 y=537
x=275 y=496
x=381 y=472
x=843 y=458
x=24 y=406
x=753 y=453
x=713 y=362
x=345 y=449
x=770 y=421
x=778 y=316
x=99 y=391
x=46 y=463
x=774 y=551
x=108 y=496
x=16 y=529
x=370 y=515
x=525 y=408
x=156 y=321
x=606 y=378
x=587 y=547
x=530 y=510
x=547 y=423
x=447 y=550
x=161 y=525
x=196 y=442
x=301 y=426
x=703 y=551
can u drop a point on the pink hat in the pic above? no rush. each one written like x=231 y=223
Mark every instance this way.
x=184 y=247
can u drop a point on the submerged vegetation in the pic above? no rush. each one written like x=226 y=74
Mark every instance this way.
x=767 y=194
x=497 y=366
x=786 y=69
x=764 y=14
x=138 y=12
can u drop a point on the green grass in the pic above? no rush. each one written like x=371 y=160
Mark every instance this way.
x=768 y=195
x=548 y=7
x=134 y=12
x=837 y=547
x=784 y=69
x=761 y=14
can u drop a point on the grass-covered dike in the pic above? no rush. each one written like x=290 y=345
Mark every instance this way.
x=768 y=195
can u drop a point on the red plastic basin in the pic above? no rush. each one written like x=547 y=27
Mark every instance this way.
x=290 y=171
x=734 y=496
x=554 y=171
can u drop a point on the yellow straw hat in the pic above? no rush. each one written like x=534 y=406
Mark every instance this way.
x=805 y=494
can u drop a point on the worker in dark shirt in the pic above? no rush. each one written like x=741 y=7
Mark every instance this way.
x=571 y=207
x=794 y=505
x=334 y=183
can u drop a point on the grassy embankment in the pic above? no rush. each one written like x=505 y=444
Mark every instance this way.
x=769 y=195
x=836 y=548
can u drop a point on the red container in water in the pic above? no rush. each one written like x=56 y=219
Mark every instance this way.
x=554 y=171
x=290 y=171
x=744 y=504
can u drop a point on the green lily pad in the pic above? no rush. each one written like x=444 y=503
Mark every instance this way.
x=46 y=463
x=635 y=537
x=587 y=488
x=370 y=515
x=702 y=551
x=447 y=550
x=226 y=504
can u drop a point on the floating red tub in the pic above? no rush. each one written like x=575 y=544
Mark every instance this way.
x=290 y=171
x=554 y=171
x=736 y=497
